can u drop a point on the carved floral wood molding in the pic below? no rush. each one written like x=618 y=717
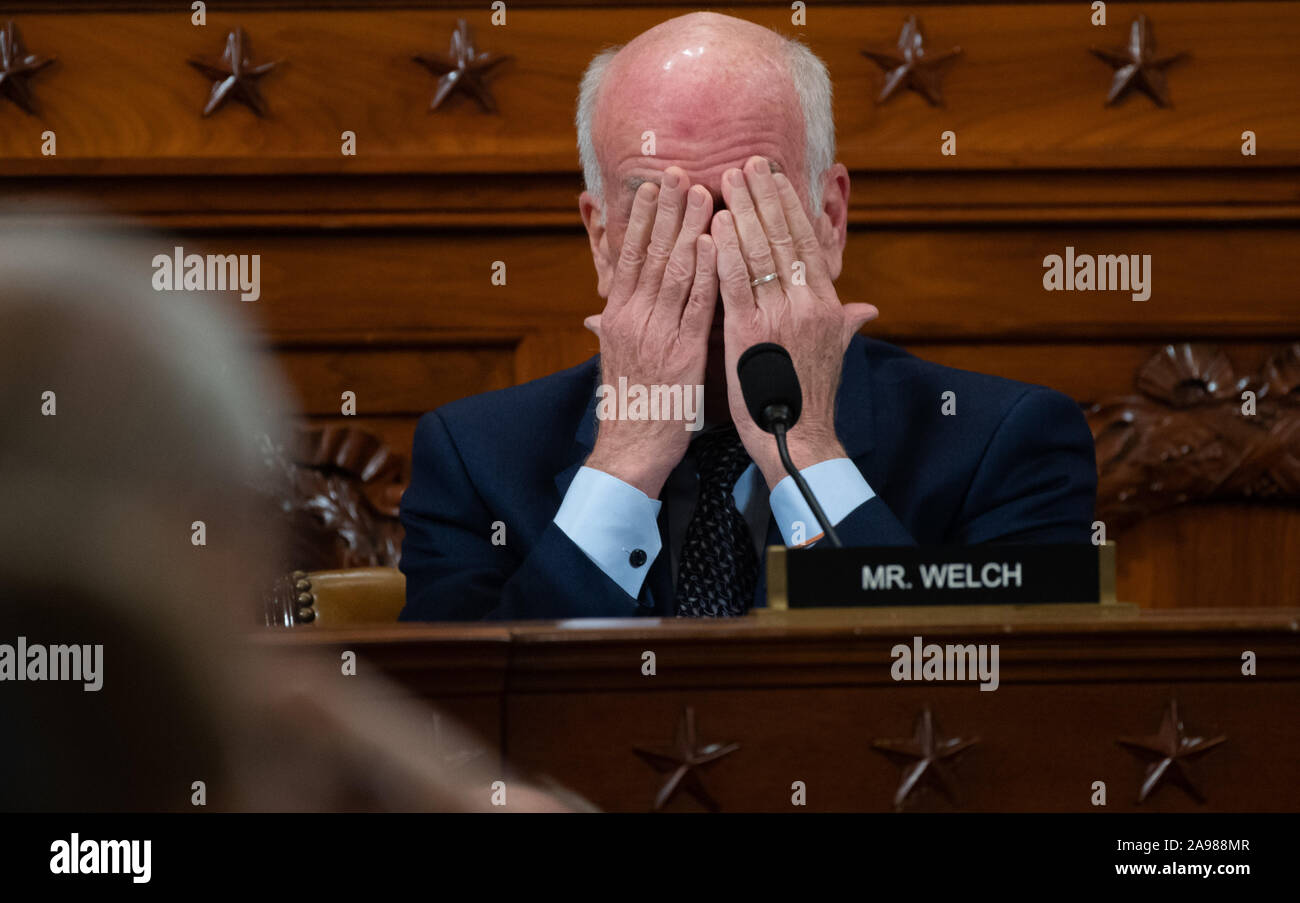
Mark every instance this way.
x=1184 y=438
x=1188 y=437
x=340 y=489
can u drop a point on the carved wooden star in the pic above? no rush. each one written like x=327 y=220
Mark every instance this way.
x=683 y=761
x=1137 y=66
x=16 y=66
x=1169 y=753
x=924 y=758
x=463 y=67
x=234 y=75
x=911 y=65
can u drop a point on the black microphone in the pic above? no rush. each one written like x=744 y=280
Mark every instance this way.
x=775 y=401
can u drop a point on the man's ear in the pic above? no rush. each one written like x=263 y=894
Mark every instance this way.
x=832 y=225
x=594 y=219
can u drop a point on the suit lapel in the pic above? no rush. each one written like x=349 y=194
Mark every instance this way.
x=853 y=403
x=774 y=538
x=584 y=436
x=659 y=582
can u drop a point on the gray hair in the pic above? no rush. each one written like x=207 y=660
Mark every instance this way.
x=812 y=85
x=159 y=403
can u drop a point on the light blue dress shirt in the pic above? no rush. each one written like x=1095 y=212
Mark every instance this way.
x=609 y=520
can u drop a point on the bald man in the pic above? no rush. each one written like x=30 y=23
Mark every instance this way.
x=605 y=490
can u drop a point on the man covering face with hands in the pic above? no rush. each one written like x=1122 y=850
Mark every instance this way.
x=731 y=233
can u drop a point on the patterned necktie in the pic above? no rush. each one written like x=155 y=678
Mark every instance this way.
x=719 y=567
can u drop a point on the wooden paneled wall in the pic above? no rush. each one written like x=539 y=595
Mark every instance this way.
x=376 y=268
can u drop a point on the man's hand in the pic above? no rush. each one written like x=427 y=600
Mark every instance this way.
x=655 y=326
x=764 y=230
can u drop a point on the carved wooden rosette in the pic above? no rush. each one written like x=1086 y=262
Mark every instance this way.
x=1187 y=438
x=338 y=489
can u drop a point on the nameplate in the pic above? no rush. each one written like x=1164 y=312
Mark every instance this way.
x=940 y=575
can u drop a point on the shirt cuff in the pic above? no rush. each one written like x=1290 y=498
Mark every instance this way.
x=614 y=524
x=837 y=484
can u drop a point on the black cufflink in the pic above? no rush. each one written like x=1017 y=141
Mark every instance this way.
x=637 y=558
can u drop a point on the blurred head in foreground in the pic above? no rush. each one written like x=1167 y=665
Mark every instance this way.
x=132 y=421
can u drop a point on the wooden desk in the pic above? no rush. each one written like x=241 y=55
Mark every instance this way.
x=805 y=695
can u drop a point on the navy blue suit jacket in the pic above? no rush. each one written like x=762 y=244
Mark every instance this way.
x=1015 y=463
